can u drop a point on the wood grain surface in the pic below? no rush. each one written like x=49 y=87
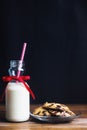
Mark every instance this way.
x=79 y=123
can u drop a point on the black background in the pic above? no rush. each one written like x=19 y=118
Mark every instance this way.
x=56 y=55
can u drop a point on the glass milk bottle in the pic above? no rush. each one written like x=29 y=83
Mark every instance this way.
x=17 y=98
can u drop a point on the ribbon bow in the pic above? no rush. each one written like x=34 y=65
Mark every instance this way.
x=20 y=79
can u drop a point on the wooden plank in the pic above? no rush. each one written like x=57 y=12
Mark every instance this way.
x=77 y=124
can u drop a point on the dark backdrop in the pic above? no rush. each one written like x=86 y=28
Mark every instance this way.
x=56 y=55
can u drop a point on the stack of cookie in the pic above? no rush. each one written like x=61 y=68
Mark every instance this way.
x=53 y=109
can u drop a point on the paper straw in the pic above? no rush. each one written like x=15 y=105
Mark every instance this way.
x=22 y=58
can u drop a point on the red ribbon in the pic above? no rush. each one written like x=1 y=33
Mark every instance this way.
x=20 y=79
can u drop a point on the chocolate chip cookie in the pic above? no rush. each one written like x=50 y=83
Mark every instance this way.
x=53 y=109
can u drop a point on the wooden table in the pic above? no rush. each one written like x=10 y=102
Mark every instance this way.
x=79 y=123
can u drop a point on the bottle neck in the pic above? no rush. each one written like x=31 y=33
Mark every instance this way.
x=15 y=67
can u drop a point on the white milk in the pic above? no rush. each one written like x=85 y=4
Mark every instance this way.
x=17 y=102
